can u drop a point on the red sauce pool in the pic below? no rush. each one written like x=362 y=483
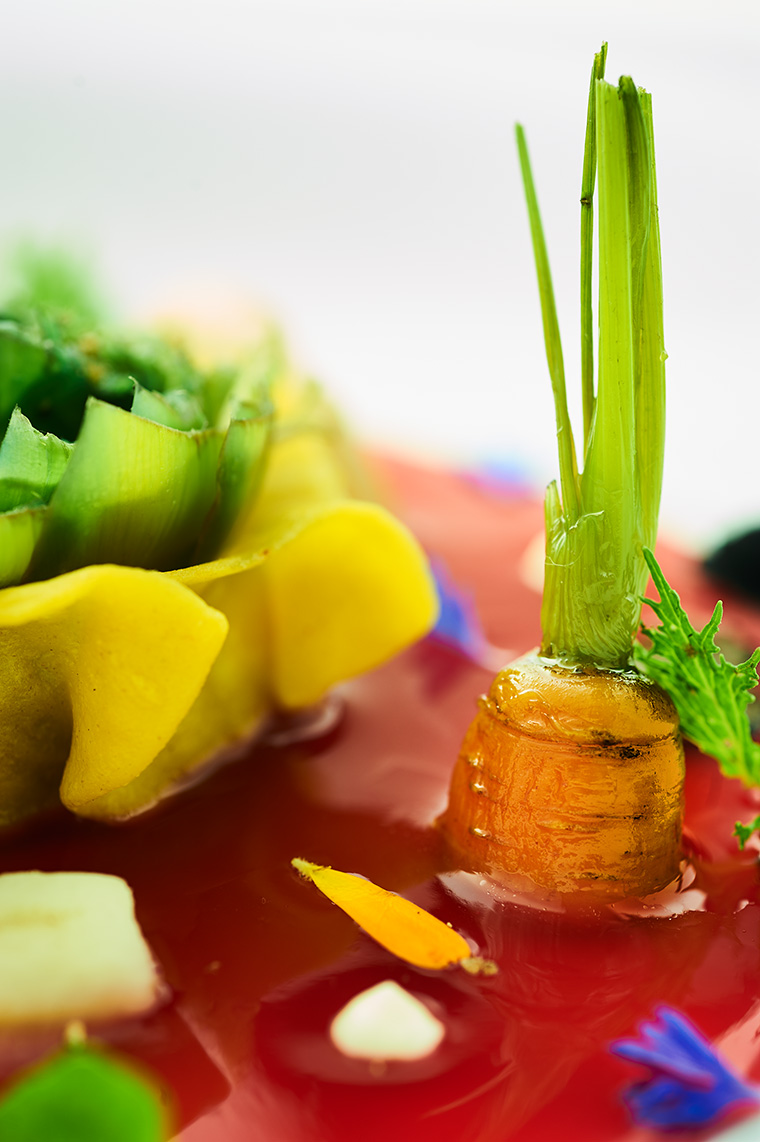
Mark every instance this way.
x=258 y=962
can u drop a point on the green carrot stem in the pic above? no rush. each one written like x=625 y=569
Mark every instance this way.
x=587 y=249
x=568 y=466
x=595 y=529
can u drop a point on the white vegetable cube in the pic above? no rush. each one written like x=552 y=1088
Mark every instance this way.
x=71 y=948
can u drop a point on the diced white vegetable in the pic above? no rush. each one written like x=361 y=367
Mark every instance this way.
x=71 y=948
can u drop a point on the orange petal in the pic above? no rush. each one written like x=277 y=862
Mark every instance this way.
x=403 y=928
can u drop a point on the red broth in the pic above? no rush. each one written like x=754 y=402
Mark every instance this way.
x=259 y=962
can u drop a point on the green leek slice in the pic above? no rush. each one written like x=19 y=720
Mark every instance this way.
x=241 y=468
x=134 y=493
x=31 y=464
x=19 y=532
x=175 y=409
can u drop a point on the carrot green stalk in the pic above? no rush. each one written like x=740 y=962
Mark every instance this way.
x=571 y=776
x=587 y=247
x=598 y=520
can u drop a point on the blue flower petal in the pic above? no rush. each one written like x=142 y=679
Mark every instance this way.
x=458 y=623
x=504 y=477
x=689 y=1084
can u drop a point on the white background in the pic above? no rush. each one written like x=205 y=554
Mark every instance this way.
x=350 y=165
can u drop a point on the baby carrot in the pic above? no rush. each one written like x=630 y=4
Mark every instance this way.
x=570 y=778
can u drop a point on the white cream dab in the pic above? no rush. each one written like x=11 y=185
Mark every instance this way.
x=386 y=1023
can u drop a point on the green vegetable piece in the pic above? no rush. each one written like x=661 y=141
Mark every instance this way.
x=241 y=468
x=154 y=364
x=254 y=379
x=19 y=532
x=214 y=393
x=175 y=409
x=22 y=361
x=55 y=280
x=597 y=519
x=55 y=401
x=83 y=1095
x=134 y=492
x=744 y=832
x=710 y=694
x=31 y=464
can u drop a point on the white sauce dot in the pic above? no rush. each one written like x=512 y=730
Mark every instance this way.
x=385 y=1023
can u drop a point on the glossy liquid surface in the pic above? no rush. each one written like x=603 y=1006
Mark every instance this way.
x=259 y=963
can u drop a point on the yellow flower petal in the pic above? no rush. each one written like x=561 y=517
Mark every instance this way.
x=403 y=928
x=97 y=669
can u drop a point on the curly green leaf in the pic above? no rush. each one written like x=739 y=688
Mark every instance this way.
x=744 y=832
x=710 y=694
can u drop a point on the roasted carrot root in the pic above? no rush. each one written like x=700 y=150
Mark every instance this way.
x=571 y=776
x=570 y=780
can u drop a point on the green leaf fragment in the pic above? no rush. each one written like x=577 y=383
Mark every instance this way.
x=135 y=493
x=744 y=832
x=83 y=1095
x=710 y=694
x=31 y=464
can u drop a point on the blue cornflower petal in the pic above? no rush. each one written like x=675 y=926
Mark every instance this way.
x=689 y=1084
x=458 y=623
x=501 y=477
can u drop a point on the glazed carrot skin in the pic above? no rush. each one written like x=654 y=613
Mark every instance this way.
x=570 y=780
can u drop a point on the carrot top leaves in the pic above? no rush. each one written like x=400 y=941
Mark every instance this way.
x=744 y=832
x=710 y=694
x=598 y=518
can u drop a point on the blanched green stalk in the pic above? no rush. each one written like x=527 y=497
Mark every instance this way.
x=595 y=568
